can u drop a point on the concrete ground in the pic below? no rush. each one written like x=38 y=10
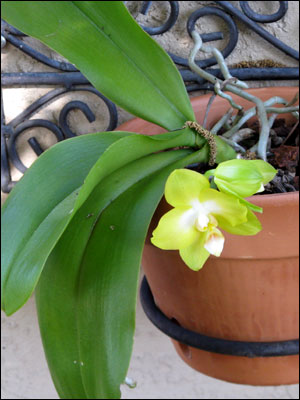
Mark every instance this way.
x=155 y=366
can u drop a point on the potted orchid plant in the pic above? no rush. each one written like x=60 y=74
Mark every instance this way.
x=80 y=237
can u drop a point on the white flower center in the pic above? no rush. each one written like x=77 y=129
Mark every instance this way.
x=202 y=222
x=188 y=218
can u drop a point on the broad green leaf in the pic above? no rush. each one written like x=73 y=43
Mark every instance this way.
x=37 y=211
x=134 y=147
x=224 y=151
x=129 y=149
x=105 y=43
x=93 y=269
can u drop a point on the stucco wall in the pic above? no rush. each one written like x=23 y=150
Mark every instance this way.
x=159 y=372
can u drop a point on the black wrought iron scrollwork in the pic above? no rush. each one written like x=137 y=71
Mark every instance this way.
x=166 y=26
x=233 y=35
x=280 y=13
x=10 y=132
x=72 y=105
x=67 y=78
x=12 y=35
x=34 y=123
x=227 y=6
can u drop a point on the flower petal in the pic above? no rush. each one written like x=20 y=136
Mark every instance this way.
x=223 y=205
x=242 y=188
x=253 y=207
x=265 y=169
x=183 y=186
x=215 y=242
x=261 y=189
x=176 y=229
x=251 y=227
x=195 y=255
x=238 y=176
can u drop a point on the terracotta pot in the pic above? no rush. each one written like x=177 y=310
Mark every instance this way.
x=250 y=293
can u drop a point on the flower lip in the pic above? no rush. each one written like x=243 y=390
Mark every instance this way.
x=215 y=243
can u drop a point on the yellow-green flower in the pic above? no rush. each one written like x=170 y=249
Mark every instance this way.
x=191 y=226
x=243 y=178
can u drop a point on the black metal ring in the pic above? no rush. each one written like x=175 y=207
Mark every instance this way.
x=158 y=30
x=221 y=346
x=233 y=35
x=247 y=10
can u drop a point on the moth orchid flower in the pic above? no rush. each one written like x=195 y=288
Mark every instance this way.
x=243 y=178
x=191 y=226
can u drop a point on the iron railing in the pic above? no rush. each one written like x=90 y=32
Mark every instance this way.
x=68 y=79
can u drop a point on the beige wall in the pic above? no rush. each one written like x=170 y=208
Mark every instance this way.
x=250 y=47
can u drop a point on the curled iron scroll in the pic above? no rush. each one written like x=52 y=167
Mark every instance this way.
x=246 y=16
x=167 y=25
x=70 y=78
x=12 y=131
x=35 y=123
x=247 y=10
x=227 y=6
x=233 y=35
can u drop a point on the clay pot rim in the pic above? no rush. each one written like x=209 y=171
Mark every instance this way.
x=262 y=199
x=269 y=198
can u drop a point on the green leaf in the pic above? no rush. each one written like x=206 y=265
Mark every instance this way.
x=224 y=151
x=37 y=211
x=105 y=43
x=93 y=269
x=128 y=149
